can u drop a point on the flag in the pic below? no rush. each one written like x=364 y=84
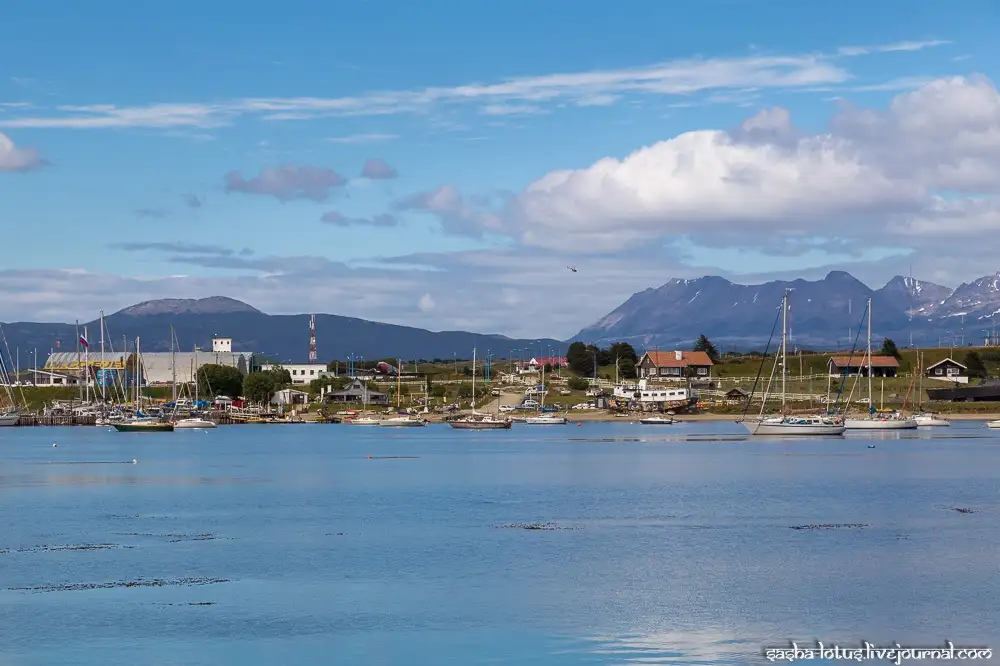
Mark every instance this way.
x=83 y=341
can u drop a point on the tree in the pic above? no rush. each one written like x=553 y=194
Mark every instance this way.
x=548 y=368
x=259 y=386
x=889 y=349
x=438 y=391
x=577 y=383
x=974 y=364
x=282 y=377
x=705 y=345
x=580 y=359
x=465 y=390
x=216 y=380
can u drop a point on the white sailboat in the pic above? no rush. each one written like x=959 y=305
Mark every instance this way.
x=544 y=419
x=790 y=425
x=926 y=419
x=476 y=421
x=191 y=422
x=874 y=421
x=658 y=420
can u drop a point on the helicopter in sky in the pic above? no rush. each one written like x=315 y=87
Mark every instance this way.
x=572 y=268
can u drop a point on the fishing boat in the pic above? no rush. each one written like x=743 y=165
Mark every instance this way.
x=402 y=422
x=785 y=424
x=475 y=420
x=657 y=420
x=10 y=418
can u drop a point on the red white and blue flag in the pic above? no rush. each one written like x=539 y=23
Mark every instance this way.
x=83 y=341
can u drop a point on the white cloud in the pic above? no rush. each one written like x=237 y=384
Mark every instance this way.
x=363 y=138
x=676 y=77
x=889 y=48
x=873 y=169
x=426 y=303
x=510 y=110
x=288 y=182
x=13 y=158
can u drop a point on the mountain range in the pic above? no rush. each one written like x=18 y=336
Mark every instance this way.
x=823 y=314
x=281 y=337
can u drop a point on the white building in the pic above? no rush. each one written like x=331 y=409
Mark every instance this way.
x=222 y=344
x=302 y=373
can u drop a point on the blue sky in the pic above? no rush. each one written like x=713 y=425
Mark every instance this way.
x=125 y=121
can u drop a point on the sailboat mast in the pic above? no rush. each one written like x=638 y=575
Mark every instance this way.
x=473 y=379
x=104 y=392
x=399 y=382
x=870 y=406
x=86 y=364
x=784 y=350
x=194 y=373
x=173 y=367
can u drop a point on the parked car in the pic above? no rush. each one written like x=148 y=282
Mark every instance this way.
x=565 y=392
x=506 y=408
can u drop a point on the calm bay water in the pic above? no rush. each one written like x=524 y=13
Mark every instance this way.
x=289 y=545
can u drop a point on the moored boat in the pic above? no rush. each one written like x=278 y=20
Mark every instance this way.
x=796 y=425
x=363 y=421
x=545 y=419
x=10 y=418
x=194 y=423
x=876 y=422
x=402 y=422
x=930 y=420
x=481 y=422
x=144 y=425
x=657 y=420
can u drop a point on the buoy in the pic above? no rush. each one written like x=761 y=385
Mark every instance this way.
x=134 y=461
x=53 y=445
x=368 y=457
x=578 y=425
x=871 y=446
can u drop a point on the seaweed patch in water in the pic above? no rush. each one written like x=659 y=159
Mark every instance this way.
x=532 y=526
x=173 y=537
x=139 y=582
x=963 y=510
x=831 y=526
x=47 y=549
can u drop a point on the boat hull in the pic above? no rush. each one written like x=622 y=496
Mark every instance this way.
x=545 y=420
x=9 y=419
x=193 y=424
x=401 y=423
x=363 y=422
x=657 y=421
x=880 y=424
x=793 y=429
x=143 y=427
x=481 y=425
x=931 y=423
x=993 y=424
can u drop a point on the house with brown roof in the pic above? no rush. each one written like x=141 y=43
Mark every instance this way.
x=674 y=365
x=882 y=366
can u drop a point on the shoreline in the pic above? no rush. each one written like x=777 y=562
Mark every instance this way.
x=596 y=416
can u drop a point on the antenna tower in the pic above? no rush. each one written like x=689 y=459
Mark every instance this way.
x=313 y=357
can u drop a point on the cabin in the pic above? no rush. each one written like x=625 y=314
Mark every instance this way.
x=290 y=396
x=882 y=366
x=948 y=370
x=675 y=365
x=357 y=393
x=852 y=366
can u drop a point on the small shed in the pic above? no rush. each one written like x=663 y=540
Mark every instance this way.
x=882 y=366
x=737 y=395
x=948 y=369
x=290 y=396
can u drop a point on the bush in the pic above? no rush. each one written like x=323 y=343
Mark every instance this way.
x=578 y=383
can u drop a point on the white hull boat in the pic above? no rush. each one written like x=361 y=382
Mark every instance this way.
x=993 y=424
x=194 y=423
x=658 y=420
x=9 y=419
x=880 y=424
x=545 y=420
x=929 y=421
x=813 y=426
x=402 y=422
x=364 y=421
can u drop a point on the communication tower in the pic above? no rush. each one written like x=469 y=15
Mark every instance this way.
x=313 y=357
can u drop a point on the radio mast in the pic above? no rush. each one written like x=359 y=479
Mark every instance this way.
x=313 y=357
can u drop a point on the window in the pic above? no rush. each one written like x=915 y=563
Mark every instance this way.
x=702 y=371
x=938 y=371
x=312 y=372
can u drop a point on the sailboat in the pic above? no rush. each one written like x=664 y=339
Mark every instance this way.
x=926 y=419
x=873 y=421
x=140 y=422
x=544 y=419
x=193 y=422
x=401 y=420
x=12 y=415
x=785 y=424
x=476 y=421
